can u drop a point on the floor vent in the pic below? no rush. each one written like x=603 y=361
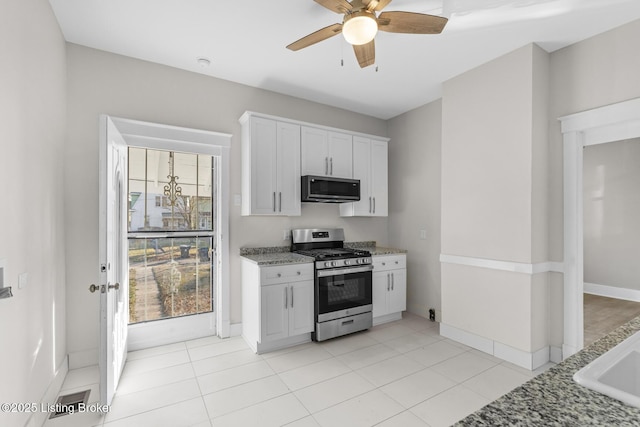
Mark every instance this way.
x=69 y=403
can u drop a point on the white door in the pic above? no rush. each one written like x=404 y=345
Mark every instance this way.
x=288 y=175
x=362 y=171
x=114 y=295
x=340 y=155
x=379 y=178
x=315 y=152
x=301 y=307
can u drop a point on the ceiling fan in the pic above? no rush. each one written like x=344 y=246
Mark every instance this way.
x=360 y=25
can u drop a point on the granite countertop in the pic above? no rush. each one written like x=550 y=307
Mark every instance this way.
x=274 y=255
x=554 y=399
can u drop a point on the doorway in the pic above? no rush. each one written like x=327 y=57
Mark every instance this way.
x=177 y=228
x=602 y=125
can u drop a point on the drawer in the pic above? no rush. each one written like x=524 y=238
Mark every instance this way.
x=389 y=262
x=285 y=273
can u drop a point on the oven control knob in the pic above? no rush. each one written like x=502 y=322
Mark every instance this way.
x=327 y=264
x=347 y=262
x=333 y=263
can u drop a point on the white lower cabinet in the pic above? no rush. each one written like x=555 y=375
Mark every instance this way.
x=389 y=293
x=277 y=305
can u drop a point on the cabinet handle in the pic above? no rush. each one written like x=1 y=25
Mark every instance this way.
x=388 y=281
x=299 y=273
x=331 y=163
x=396 y=262
x=280 y=195
x=326 y=166
x=286 y=298
x=274 y=201
x=374 y=205
x=393 y=280
x=369 y=204
x=291 y=296
x=384 y=263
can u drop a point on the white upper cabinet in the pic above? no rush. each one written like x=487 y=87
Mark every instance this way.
x=270 y=167
x=326 y=153
x=370 y=166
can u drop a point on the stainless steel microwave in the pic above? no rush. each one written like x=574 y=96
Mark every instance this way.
x=326 y=189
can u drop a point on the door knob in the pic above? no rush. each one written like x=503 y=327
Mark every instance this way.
x=93 y=288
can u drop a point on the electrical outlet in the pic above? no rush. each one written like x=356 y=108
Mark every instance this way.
x=423 y=234
x=286 y=234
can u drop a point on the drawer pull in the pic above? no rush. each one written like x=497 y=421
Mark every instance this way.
x=347 y=322
x=279 y=275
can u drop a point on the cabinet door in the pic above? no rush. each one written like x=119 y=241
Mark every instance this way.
x=288 y=169
x=379 y=178
x=274 y=319
x=379 y=295
x=301 y=307
x=314 y=151
x=362 y=171
x=263 y=166
x=398 y=292
x=340 y=155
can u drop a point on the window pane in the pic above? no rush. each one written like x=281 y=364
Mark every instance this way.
x=169 y=278
x=169 y=191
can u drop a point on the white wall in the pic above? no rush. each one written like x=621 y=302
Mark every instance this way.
x=32 y=119
x=612 y=214
x=598 y=71
x=101 y=82
x=493 y=198
x=414 y=201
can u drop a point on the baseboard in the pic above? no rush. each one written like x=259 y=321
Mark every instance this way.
x=84 y=358
x=555 y=354
x=612 y=292
x=235 y=329
x=524 y=359
x=38 y=418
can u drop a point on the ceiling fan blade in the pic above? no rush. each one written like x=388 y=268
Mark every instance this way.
x=316 y=37
x=376 y=5
x=411 y=23
x=337 y=6
x=365 y=53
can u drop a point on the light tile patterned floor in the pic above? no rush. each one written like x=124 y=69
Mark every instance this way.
x=398 y=374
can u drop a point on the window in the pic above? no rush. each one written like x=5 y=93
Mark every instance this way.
x=170 y=233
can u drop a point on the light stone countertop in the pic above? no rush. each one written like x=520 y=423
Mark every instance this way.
x=276 y=255
x=554 y=399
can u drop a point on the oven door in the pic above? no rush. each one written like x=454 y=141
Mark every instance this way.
x=342 y=292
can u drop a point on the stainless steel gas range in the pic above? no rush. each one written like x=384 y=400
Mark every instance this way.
x=343 y=280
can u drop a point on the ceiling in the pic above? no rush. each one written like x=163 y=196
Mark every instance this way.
x=245 y=42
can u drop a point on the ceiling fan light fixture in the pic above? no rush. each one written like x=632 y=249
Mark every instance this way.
x=359 y=28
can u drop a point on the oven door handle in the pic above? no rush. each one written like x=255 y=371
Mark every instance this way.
x=340 y=271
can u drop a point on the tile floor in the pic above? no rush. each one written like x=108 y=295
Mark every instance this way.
x=397 y=374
